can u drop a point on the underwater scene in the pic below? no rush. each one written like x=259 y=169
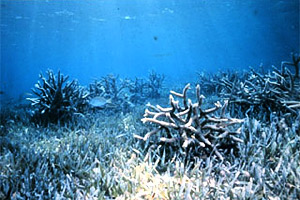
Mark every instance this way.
x=150 y=99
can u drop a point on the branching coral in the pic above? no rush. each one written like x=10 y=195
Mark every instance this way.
x=125 y=92
x=295 y=63
x=212 y=84
x=113 y=91
x=155 y=82
x=195 y=131
x=113 y=86
x=141 y=89
x=96 y=88
x=278 y=91
x=57 y=100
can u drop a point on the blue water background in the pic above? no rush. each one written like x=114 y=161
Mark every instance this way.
x=87 y=39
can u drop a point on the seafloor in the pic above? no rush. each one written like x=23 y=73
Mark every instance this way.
x=234 y=136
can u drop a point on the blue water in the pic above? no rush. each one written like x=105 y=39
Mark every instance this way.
x=89 y=39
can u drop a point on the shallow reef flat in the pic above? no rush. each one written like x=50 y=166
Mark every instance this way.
x=195 y=142
x=105 y=161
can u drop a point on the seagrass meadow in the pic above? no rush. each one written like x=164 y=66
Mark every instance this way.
x=229 y=135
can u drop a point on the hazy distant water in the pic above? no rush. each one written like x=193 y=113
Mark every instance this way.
x=88 y=39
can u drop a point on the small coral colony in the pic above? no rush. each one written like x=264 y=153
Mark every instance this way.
x=244 y=124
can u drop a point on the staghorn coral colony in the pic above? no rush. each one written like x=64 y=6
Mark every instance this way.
x=276 y=91
x=231 y=135
x=57 y=100
x=197 y=131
